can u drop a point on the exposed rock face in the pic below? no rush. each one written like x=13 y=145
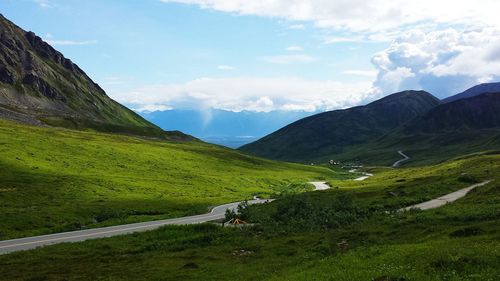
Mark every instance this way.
x=6 y=76
x=38 y=85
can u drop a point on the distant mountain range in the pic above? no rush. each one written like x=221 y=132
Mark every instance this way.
x=39 y=86
x=474 y=91
x=228 y=128
x=414 y=121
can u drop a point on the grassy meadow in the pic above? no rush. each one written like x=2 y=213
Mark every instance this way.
x=344 y=233
x=56 y=180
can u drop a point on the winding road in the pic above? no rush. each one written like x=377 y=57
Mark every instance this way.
x=8 y=246
x=405 y=158
x=320 y=185
x=443 y=200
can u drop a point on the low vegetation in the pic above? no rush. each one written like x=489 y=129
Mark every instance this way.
x=58 y=180
x=337 y=234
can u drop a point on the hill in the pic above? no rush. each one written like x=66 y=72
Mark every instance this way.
x=58 y=179
x=449 y=130
x=478 y=112
x=39 y=86
x=334 y=132
x=475 y=91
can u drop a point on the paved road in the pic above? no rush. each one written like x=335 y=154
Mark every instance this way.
x=443 y=200
x=363 y=177
x=320 y=185
x=218 y=212
x=27 y=243
x=405 y=158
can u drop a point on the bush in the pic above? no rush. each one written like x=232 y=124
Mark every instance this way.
x=467 y=179
x=304 y=212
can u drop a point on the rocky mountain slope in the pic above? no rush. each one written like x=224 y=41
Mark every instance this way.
x=39 y=86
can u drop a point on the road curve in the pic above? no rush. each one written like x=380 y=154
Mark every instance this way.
x=320 y=185
x=443 y=200
x=8 y=246
x=405 y=158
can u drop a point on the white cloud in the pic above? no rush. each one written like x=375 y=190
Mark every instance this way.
x=152 y=108
x=289 y=59
x=250 y=93
x=362 y=15
x=360 y=72
x=443 y=62
x=225 y=67
x=294 y=49
x=70 y=42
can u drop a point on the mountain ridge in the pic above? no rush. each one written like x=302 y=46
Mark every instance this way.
x=474 y=91
x=311 y=137
x=39 y=86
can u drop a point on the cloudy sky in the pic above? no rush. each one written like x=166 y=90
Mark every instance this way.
x=269 y=55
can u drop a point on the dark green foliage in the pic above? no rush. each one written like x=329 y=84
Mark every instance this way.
x=467 y=178
x=304 y=212
x=467 y=232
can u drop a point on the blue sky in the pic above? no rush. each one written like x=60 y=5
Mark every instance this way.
x=268 y=55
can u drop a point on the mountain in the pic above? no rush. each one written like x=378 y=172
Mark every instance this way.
x=39 y=86
x=228 y=128
x=333 y=132
x=465 y=126
x=478 y=112
x=474 y=91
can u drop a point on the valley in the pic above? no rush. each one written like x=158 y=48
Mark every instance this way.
x=399 y=187
x=360 y=240
x=56 y=180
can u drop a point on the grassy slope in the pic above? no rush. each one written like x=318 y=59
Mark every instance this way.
x=457 y=242
x=424 y=149
x=56 y=179
x=330 y=133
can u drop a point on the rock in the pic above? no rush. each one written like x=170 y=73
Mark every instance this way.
x=42 y=87
x=6 y=76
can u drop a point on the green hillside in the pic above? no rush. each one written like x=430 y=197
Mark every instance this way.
x=374 y=133
x=57 y=180
x=334 y=132
x=449 y=130
x=340 y=234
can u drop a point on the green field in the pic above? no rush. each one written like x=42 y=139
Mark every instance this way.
x=56 y=180
x=343 y=233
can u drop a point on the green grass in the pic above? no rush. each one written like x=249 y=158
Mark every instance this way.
x=459 y=241
x=57 y=180
x=424 y=149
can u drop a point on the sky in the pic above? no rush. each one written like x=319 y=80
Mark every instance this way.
x=287 y=55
